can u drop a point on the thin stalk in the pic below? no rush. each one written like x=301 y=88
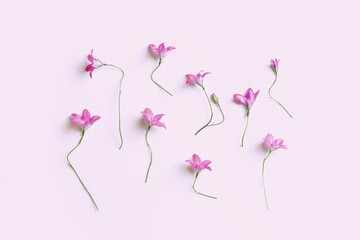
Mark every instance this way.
x=156 y=82
x=122 y=77
x=275 y=99
x=211 y=117
x=82 y=136
x=263 y=167
x=223 y=118
x=193 y=187
x=147 y=143
x=247 y=122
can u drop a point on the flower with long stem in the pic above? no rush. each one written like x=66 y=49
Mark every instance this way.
x=199 y=80
x=272 y=144
x=215 y=100
x=159 y=52
x=198 y=166
x=152 y=121
x=97 y=63
x=84 y=122
x=248 y=101
x=274 y=64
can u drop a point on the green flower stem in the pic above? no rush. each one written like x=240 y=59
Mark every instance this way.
x=122 y=77
x=193 y=187
x=247 y=122
x=275 y=99
x=207 y=97
x=147 y=143
x=160 y=61
x=82 y=136
x=223 y=118
x=263 y=180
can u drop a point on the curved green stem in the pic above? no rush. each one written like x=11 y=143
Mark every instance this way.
x=223 y=118
x=247 y=122
x=193 y=187
x=82 y=136
x=275 y=99
x=122 y=77
x=263 y=167
x=147 y=143
x=156 y=82
x=207 y=97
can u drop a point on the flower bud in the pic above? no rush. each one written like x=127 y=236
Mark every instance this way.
x=215 y=99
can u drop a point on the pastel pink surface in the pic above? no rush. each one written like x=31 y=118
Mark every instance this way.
x=312 y=187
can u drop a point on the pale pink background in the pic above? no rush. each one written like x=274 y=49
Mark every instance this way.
x=313 y=188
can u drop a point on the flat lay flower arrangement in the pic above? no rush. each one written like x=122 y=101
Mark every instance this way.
x=85 y=121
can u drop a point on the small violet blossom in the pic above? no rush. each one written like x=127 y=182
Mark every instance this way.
x=152 y=121
x=198 y=78
x=96 y=63
x=274 y=65
x=272 y=144
x=248 y=101
x=199 y=165
x=83 y=122
x=159 y=52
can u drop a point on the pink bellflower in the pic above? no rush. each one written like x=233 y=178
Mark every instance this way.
x=97 y=63
x=84 y=122
x=248 y=101
x=198 y=166
x=159 y=52
x=272 y=144
x=198 y=79
x=151 y=121
x=274 y=65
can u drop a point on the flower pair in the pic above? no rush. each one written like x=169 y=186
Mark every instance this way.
x=198 y=79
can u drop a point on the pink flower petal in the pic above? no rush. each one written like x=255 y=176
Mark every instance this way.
x=158 y=117
x=190 y=78
x=240 y=99
x=161 y=47
x=94 y=119
x=86 y=115
x=89 y=68
x=159 y=124
x=148 y=114
x=204 y=165
x=196 y=159
x=204 y=74
x=192 y=163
